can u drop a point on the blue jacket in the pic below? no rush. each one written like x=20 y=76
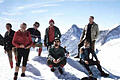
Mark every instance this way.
x=86 y=53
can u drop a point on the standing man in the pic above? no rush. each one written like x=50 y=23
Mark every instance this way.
x=8 y=46
x=51 y=33
x=90 y=33
x=35 y=34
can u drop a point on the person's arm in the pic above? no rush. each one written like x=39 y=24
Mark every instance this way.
x=97 y=31
x=50 y=57
x=39 y=38
x=14 y=41
x=59 y=33
x=45 y=37
x=30 y=40
x=82 y=56
x=67 y=53
x=82 y=35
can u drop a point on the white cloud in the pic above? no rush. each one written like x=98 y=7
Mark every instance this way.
x=1 y=1
x=11 y=13
x=39 y=11
x=36 y=5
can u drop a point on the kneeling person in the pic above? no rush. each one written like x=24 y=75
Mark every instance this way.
x=57 y=56
x=86 y=61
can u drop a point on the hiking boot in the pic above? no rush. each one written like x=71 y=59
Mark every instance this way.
x=52 y=69
x=103 y=74
x=60 y=70
x=90 y=74
x=23 y=75
x=15 y=75
x=77 y=56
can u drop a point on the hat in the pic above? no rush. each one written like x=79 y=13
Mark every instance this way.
x=51 y=21
x=37 y=23
x=56 y=38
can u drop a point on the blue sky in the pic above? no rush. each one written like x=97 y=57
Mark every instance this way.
x=64 y=12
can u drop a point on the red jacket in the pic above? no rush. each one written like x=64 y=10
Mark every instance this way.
x=51 y=34
x=22 y=38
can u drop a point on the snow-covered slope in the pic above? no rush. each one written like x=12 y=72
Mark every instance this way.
x=37 y=68
x=110 y=56
x=113 y=34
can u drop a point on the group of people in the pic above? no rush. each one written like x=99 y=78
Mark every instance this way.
x=22 y=40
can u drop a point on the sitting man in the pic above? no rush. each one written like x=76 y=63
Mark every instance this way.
x=86 y=61
x=57 y=56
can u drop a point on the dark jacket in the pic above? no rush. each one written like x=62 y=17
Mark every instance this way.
x=35 y=34
x=56 y=53
x=22 y=38
x=86 y=53
x=46 y=37
x=8 y=40
x=1 y=40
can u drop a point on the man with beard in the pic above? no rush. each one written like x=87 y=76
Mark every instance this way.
x=57 y=56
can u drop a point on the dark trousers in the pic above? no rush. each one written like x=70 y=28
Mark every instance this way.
x=49 y=45
x=91 y=62
x=9 y=53
x=22 y=53
x=61 y=64
x=92 y=45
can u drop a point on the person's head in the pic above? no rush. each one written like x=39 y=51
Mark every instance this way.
x=8 y=26
x=23 y=26
x=86 y=43
x=51 y=22
x=36 y=25
x=57 y=42
x=91 y=19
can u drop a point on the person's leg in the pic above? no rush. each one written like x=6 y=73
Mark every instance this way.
x=93 y=45
x=79 y=46
x=99 y=68
x=19 y=56
x=51 y=65
x=39 y=51
x=9 y=52
x=87 y=67
x=15 y=53
x=63 y=63
x=91 y=62
x=25 y=58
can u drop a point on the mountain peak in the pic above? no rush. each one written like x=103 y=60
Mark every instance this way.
x=74 y=26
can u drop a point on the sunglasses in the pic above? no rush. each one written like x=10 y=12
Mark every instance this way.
x=57 y=41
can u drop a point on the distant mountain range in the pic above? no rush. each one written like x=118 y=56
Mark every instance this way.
x=72 y=37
